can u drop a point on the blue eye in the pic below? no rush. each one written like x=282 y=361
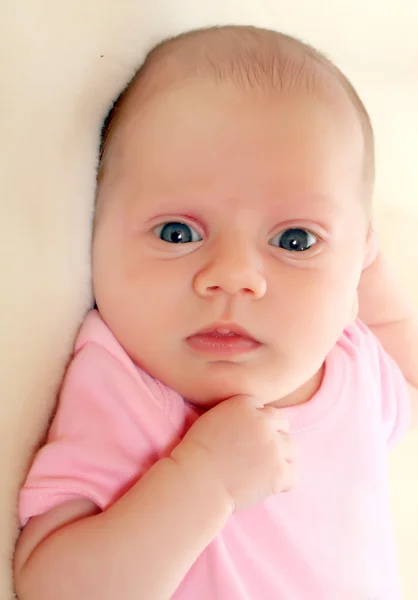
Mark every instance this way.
x=294 y=240
x=177 y=233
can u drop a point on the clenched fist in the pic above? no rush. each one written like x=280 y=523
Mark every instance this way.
x=247 y=449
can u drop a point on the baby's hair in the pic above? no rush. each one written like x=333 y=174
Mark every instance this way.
x=252 y=59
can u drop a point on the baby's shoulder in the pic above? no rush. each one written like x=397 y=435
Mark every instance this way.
x=104 y=372
x=360 y=343
x=376 y=378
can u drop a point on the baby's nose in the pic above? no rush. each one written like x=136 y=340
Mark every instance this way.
x=232 y=274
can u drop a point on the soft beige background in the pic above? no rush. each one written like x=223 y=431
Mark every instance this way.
x=61 y=63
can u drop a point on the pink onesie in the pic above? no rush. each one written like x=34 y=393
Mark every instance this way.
x=330 y=538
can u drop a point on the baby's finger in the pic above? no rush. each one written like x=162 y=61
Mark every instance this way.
x=289 y=447
x=289 y=479
x=285 y=480
x=279 y=423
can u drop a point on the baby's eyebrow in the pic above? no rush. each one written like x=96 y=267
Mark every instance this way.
x=328 y=201
x=321 y=208
x=309 y=199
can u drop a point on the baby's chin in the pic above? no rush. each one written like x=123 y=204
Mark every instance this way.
x=210 y=395
x=278 y=394
x=213 y=395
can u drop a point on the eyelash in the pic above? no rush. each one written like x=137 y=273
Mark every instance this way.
x=157 y=230
x=160 y=228
x=312 y=237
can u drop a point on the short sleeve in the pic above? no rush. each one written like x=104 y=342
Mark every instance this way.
x=109 y=428
x=392 y=387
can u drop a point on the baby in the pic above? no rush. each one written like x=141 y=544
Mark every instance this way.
x=222 y=429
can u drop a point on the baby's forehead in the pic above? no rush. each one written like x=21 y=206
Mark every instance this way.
x=248 y=77
x=251 y=60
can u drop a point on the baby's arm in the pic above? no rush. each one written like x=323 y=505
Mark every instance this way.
x=385 y=308
x=143 y=545
x=139 y=548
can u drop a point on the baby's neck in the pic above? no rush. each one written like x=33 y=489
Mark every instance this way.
x=302 y=394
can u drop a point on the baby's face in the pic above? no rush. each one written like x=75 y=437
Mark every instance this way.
x=232 y=212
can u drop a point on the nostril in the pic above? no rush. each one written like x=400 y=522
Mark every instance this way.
x=213 y=288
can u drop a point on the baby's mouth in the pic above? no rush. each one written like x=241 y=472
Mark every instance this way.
x=222 y=339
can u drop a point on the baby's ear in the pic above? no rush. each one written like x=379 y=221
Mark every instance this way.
x=372 y=248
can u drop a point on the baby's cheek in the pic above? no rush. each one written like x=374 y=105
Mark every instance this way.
x=355 y=307
x=372 y=250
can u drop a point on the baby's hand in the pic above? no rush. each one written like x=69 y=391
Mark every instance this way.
x=246 y=448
